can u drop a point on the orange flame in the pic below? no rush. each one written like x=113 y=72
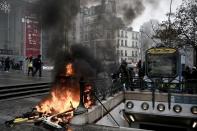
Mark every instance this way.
x=61 y=99
x=69 y=70
x=87 y=96
x=64 y=96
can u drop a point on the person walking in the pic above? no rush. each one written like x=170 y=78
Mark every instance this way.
x=7 y=64
x=37 y=63
x=30 y=65
x=125 y=76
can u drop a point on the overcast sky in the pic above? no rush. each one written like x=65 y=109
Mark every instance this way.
x=158 y=12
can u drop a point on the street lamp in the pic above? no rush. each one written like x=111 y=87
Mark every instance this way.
x=81 y=108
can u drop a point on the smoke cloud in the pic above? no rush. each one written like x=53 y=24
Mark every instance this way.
x=57 y=12
x=153 y=3
x=56 y=18
x=133 y=11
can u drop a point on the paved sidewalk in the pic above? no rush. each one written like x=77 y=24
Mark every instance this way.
x=11 y=109
x=13 y=77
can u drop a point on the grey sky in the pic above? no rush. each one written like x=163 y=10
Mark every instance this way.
x=152 y=12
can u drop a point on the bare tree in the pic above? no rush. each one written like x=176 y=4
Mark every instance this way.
x=182 y=31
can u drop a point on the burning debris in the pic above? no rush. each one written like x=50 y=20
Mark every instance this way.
x=57 y=109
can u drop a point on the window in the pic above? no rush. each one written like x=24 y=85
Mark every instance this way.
x=125 y=42
x=132 y=53
x=118 y=43
x=136 y=53
x=132 y=44
x=122 y=34
x=125 y=52
x=121 y=53
x=126 y=34
x=122 y=42
x=136 y=44
x=118 y=53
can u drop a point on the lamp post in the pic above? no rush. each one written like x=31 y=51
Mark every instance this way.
x=81 y=108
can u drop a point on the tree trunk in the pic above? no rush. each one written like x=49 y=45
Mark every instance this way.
x=195 y=56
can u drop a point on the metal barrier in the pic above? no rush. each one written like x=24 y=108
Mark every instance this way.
x=185 y=86
x=103 y=88
x=106 y=87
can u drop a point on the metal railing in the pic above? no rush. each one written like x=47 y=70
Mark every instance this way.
x=185 y=86
x=106 y=87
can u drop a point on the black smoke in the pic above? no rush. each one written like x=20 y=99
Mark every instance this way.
x=131 y=10
x=56 y=18
x=54 y=13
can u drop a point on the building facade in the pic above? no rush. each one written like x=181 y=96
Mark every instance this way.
x=95 y=30
x=20 y=31
x=128 y=46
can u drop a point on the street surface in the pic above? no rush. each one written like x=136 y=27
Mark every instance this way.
x=12 y=108
x=19 y=78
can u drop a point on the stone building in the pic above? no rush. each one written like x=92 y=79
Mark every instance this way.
x=128 y=45
x=97 y=30
x=20 y=31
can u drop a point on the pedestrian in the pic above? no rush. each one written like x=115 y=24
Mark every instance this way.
x=2 y=63
x=37 y=63
x=186 y=73
x=30 y=65
x=7 y=64
x=125 y=76
x=194 y=73
x=21 y=64
x=194 y=80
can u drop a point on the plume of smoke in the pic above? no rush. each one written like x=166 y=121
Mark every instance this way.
x=131 y=9
x=57 y=12
x=89 y=2
x=56 y=18
x=153 y=3
x=108 y=24
x=82 y=59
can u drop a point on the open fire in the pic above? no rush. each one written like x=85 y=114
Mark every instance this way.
x=64 y=98
x=57 y=109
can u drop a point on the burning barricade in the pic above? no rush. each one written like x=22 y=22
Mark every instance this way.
x=57 y=109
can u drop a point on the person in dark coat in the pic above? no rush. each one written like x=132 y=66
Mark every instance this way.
x=37 y=63
x=125 y=76
x=194 y=80
x=7 y=64
x=186 y=73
